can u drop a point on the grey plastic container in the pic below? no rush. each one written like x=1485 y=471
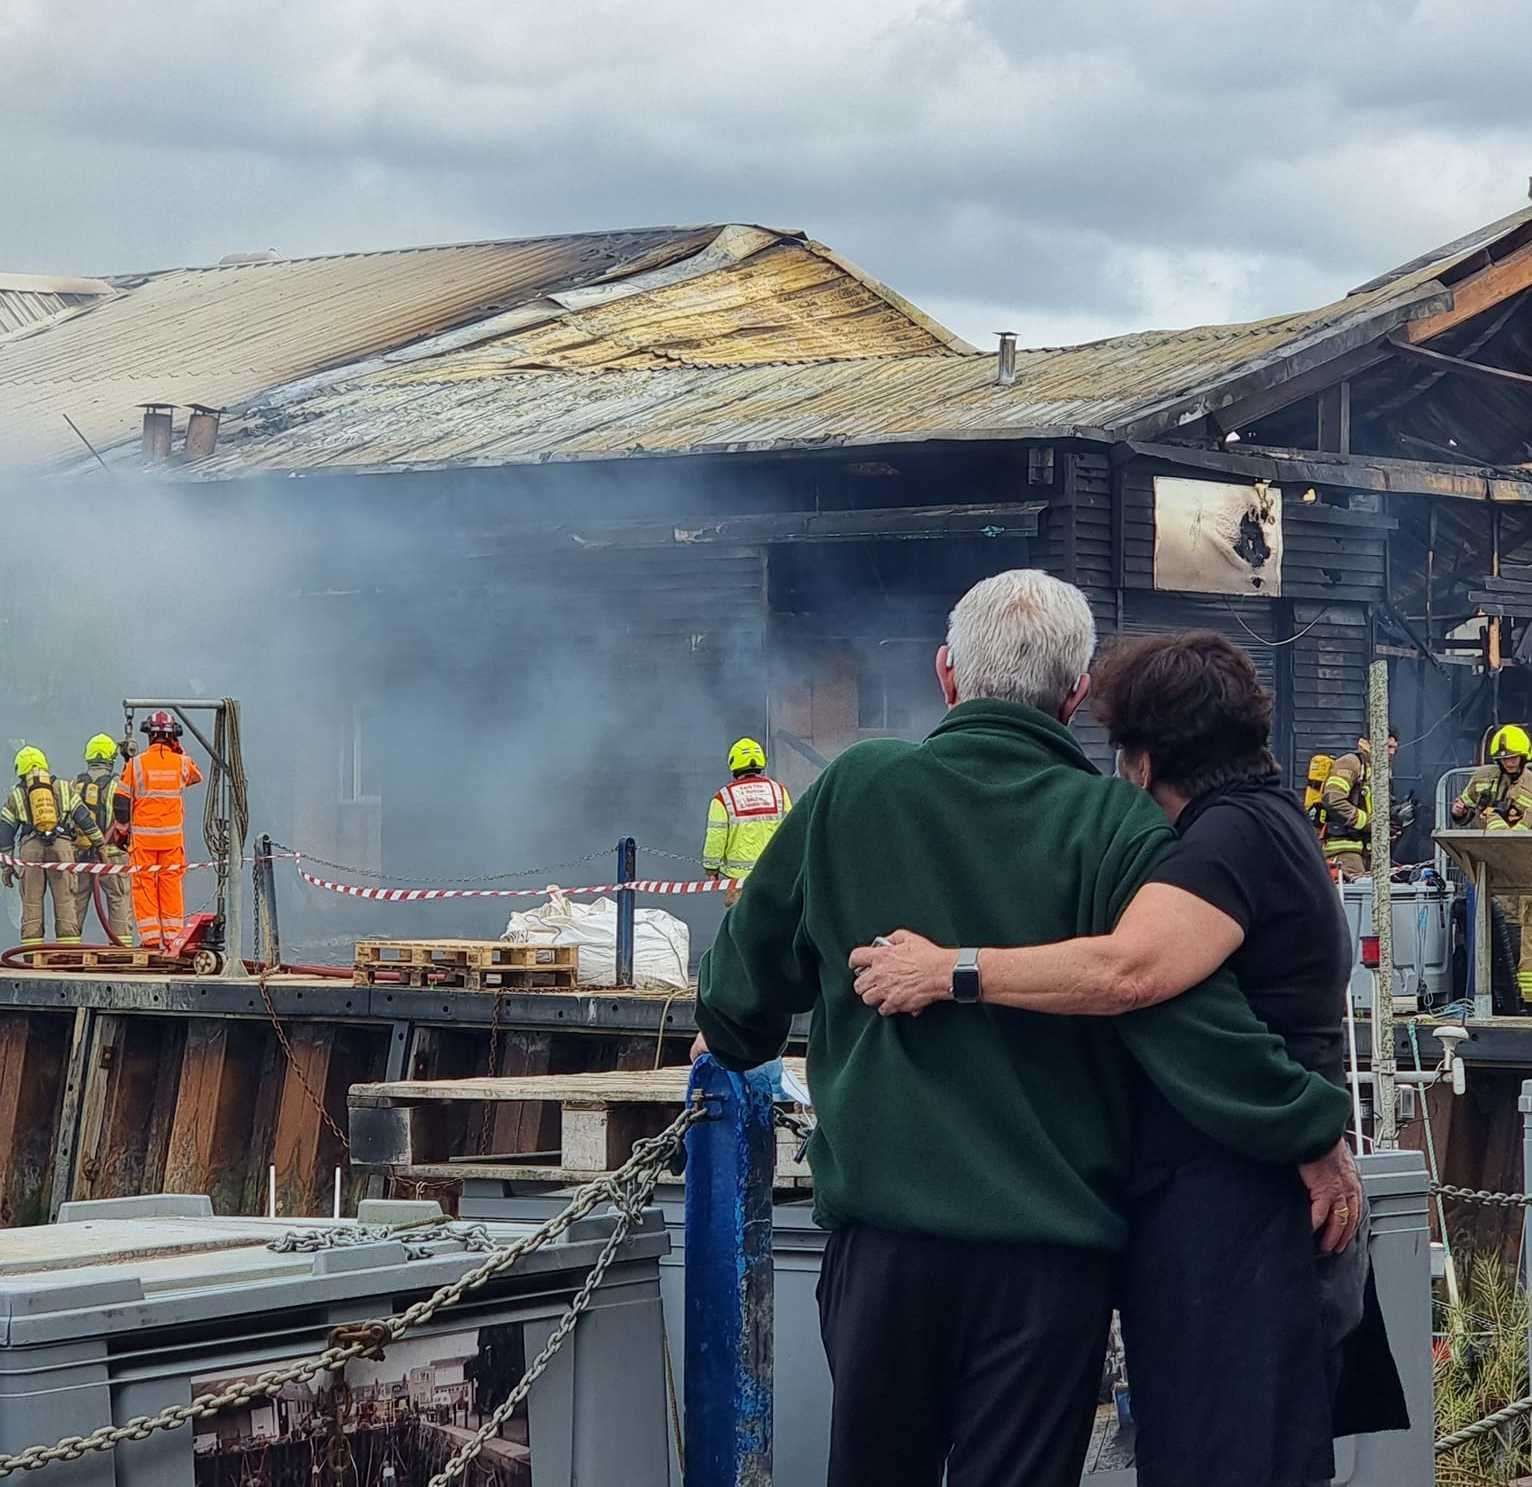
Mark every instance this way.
x=1422 y=940
x=108 y=1318
x=1401 y=1251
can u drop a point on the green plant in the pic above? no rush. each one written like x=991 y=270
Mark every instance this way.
x=1481 y=1366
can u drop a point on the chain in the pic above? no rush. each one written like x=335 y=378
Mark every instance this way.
x=627 y=1189
x=487 y=1118
x=1484 y=1426
x=296 y=1067
x=466 y=1454
x=801 y=1128
x=673 y=856
x=525 y=872
x=1481 y=1196
x=473 y=1237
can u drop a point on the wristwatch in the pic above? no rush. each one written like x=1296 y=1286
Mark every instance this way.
x=965 y=977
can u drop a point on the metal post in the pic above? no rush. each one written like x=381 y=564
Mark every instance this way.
x=1525 y=1105
x=729 y=1295
x=1483 y=988
x=268 y=933
x=1384 y=1064
x=627 y=871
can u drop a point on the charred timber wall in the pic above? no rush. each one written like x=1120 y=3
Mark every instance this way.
x=1310 y=646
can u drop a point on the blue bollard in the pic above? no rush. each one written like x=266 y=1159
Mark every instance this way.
x=729 y=1335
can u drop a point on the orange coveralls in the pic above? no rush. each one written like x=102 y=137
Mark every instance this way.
x=153 y=782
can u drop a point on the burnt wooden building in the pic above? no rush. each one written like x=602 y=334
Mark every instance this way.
x=501 y=544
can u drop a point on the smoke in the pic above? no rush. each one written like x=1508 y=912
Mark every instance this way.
x=429 y=698
x=409 y=709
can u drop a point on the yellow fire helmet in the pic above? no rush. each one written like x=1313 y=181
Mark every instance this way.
x=101 y=750
x=748 y=754
x=1509 y=740
x=29 y=759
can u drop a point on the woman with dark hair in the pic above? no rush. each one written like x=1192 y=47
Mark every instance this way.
x=1235 y=1317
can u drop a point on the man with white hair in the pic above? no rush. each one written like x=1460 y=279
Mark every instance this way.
x=972 y=1172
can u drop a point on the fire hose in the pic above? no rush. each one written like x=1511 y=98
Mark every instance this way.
x=98 y=898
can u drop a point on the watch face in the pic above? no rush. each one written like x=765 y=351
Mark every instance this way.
x=965 y=984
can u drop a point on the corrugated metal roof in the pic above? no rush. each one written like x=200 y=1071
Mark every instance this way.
x=223 y=336
x=497 y=405
x=30 y=300
x=600 y=347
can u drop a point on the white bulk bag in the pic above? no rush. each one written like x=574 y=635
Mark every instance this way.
x=661 y=942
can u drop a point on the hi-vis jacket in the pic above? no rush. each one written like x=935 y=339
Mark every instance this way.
x=153 y=782
x=98 y=790
x=1491 y=794
x=741 y=819
x=1348 y=806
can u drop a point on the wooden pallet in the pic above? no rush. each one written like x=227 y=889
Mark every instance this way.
x=400 y=1127
x=471 y=965
x=131 y=958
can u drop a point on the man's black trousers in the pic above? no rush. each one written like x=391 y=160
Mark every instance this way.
x=984 y=1359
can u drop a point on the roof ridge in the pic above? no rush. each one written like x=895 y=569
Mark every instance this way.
x=659 y=232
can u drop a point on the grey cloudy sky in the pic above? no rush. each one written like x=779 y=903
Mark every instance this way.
x=1067 y=171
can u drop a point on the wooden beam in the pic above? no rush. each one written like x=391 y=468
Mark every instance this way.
x=1237 y=414
x=210 y=1135
x=304 y=1151
x=1456 y=364
x=162 y=1104
x=1475 y=294
x=899 y=523
x=524 y=1125
x=1401 y=477
x=102 y=1074
x=66 y=1143
x=1334 y=430
x=33 y=1048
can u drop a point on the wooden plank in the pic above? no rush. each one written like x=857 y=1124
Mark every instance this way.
x=1304 y=467
x=209 y=1137
x=524 y=1125
x=1013 y=518
x=263 y=1127
x=626 y=1086
x=33 y=1053
x=1440 y=362
x=101 y=1073
x=1475 y=294
x=66 y=1144
x=476 y=953
x=1334 y=422
x=162 y=1108
x=304 y=1149
x=434 y=975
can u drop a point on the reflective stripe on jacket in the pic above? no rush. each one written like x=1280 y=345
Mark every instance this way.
x=153 y=783
x=16 y=816
x=1347 y=805
x=97 y=793
x=1491 y=789
x=741 y=819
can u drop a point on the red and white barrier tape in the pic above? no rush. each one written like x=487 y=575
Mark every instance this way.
x=424 y=895
x=103 y=869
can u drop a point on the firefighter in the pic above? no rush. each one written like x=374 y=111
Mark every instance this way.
x=1347 y=808
x=40 y=821
x=99 y=791
x=153 y=784
x=742 y=817
x=1498 y=797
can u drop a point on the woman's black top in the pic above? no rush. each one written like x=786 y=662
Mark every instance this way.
x=1249 y=850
